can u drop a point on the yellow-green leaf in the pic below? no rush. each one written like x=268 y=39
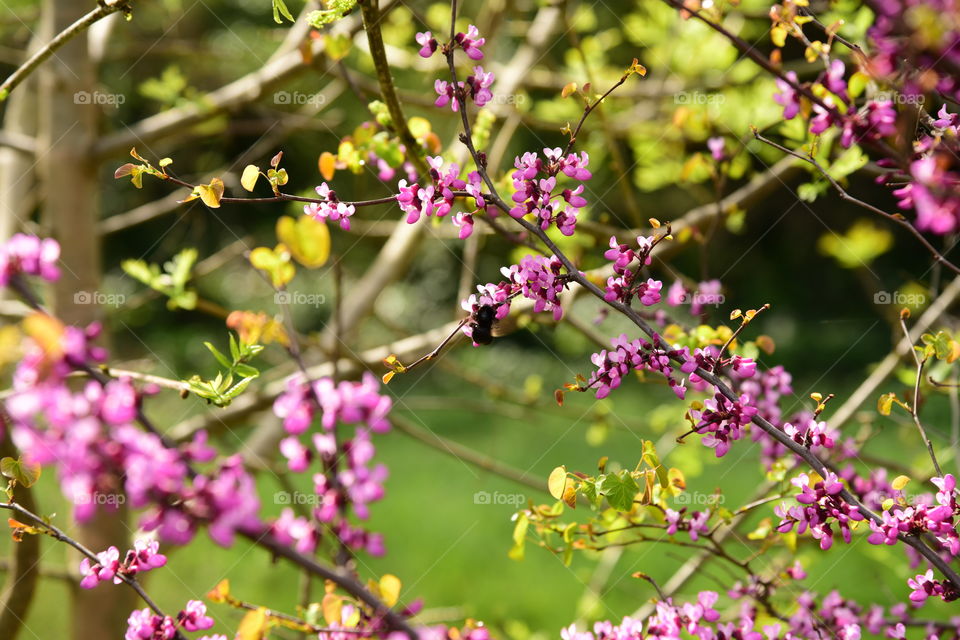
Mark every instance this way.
x=390 y=589
x=332 y=606
x=253 y=626
x=307 y=239
x=327 y=165
x=251 y=173
x=557 y=482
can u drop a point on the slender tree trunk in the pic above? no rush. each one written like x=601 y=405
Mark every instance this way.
x=68 y=117
x=17 y=175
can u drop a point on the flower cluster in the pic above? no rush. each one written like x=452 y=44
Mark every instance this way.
x=436 y=199
x=470 y=42
x=932 y=179
x=696 y=524
x=820 y=506
x=536 y=278
x=924 y=586
x=476 y=86
x=144 y=624
x=812 y=617
x=921 y=519
x=144 y=556
x=535 y=181
x=638 y=355
x=722 y=420
x=29 y=255
x=540 y=279
x=331 y=208
x=348 y=480
x=810 y=434
x=623 y=285
x=917 y=62
x=89 y=434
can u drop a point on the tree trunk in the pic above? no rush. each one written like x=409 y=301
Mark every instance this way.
x=68 y=114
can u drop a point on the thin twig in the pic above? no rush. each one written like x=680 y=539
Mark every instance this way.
x=104 y=9
x=915 y=404
x=894 y=217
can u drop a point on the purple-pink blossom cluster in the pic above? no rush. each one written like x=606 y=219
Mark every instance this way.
x=89 y=435
x=721 y=421
x=875 y=120
x=936 y=520
x=808 y=617
x=535 y=181
x=623 y=286
x=820 y=507
x=331 y=209
x=628 y=355
x=436 y=199
x=536 y=278
x=29 y=255
x=144 y=556
x=932 y=177
x=540 y=279
x=916 y=62
x=144 y=624
x=695 y=524
x=476 y=86
x=347 y=478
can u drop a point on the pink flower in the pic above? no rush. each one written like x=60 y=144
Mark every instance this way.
x=194 y=616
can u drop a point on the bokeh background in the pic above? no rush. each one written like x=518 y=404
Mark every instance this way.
x=793 y=249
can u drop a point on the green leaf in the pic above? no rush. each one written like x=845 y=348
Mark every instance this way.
x=26 y=474
x=222 y=359
x=246 y=371
x=519 y=536
x=280 y=9
x=620 y=489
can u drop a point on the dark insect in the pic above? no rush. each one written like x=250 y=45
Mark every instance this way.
x=482 y=325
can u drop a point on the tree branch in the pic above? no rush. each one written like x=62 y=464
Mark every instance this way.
x=104 y=9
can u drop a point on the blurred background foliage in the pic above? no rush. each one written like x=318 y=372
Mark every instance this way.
x=816 y=261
